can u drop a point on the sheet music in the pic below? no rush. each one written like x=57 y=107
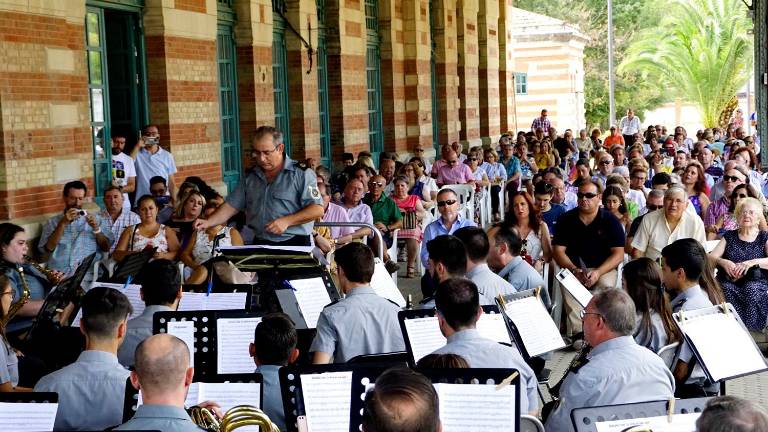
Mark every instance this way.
x=424 y=336
x=327 y=401
x=312 y=297
x=229 y=395
x=539 y=333
x=725 y=347
x=493 y=327
x=475 y=407
x=580 y=293
x=233 y=336
x=384 y=286
x=680 y=423
x=184 y=330
x=131 y=291
x=215 y=301
x=23 y=417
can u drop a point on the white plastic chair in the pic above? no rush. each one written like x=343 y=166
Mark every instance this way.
x=392 y=251
x=668 y=353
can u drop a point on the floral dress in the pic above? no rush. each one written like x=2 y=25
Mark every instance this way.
x=748 y=294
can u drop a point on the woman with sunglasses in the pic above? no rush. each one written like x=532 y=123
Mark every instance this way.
x=642 y=281
x=735 y=176
x=526 y=218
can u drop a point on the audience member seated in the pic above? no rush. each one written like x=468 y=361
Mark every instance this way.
x=617 y=369
x=454 y=172
x=505 y=259
x=413 y=213
x=641 y=279
x=614 y=202
x=696 y=187
x=445 y=150
x=159 y=190
x=719 y=208
x=116 y=214
x=91 y=390
x=163 y=375
x=420 y=173
x=274 y=346
x=200 y=247
x=618 y=180
x=663 y=227
x=732 y=414
x=742 y=257
x=402 y=400
x=386 y=217
x=489 y=284
x=188 y=208
x=458 y=310
x=387 y=170
x=442 y=361
x=361 y=323
x=655 y=201
x=497 y=175
x=415 y=186
x=161 y=293
x=147 y=234
x=9 y=362
x=604 y=167
x=511 y=163
x=357 y=211
x=560 y=193
x=525 y=217
x=550 y=212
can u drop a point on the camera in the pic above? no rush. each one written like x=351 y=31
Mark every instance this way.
x=151 y=140
x=82 y=212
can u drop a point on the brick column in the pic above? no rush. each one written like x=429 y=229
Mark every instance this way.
x=488 y=71
x=467 y=47
x=445 y=34
x=45 y=123
x=182 y=77
x=418 y=91
x=392 y=33
x=507 y=116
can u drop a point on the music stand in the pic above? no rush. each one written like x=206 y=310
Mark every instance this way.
x=293 y=396
x=504 y=300
x=205 y=336
x=393 y=358
x=131 y=265
x=30 y=397
x=585 y=419
x=286 y=297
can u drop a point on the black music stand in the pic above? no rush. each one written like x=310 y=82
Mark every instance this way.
x=286 y=296
x=293 y=397
x=31 y=397
x=206 y=340
x=131 y=401
x=393 y=358
x=585 y=419
x=131 y=265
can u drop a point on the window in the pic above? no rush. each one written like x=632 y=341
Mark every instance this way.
x=280 y=81
x=322 y=87
x=229 y=116
x=373 y=78
x=95 y=48
x=521 y=83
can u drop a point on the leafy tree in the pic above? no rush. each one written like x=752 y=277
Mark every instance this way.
x=701 y=52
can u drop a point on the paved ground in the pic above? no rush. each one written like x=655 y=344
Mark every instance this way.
x=753 y=387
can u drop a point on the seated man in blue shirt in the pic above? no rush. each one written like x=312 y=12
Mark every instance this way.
x=274 y=346
x=91 y=390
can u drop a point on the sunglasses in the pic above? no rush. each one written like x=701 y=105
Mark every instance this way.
x=731 y=178
x=606 y=162
x=379 y=184
x=587 y=195
x=445 y=203
x=652 y=207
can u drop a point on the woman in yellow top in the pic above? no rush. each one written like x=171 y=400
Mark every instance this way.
x=542 y=154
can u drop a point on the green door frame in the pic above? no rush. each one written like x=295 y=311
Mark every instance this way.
x=280 y=81
x=373 y=79
x=228 y=107
x=98 y=97
x=322 y=89
x=433 y=79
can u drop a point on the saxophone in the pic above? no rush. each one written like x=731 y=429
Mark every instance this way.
x=14 y=309
x=49 y=274
x=235 y=418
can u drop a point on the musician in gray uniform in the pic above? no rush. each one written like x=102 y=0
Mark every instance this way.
x=161 y=293
x=361 y=323
x=279 y=196
x=91 y=390
x=488 y=283
x=163 y=376
x=617 y=370
x=458 y=309
x=684 y=263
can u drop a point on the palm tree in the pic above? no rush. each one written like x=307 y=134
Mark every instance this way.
x=701 y=51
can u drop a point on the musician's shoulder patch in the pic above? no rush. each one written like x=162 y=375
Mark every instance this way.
x=314 y=191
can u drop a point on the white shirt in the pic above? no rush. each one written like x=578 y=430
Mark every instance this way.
x=654 y=233
x=629 y=126
x=123 y=168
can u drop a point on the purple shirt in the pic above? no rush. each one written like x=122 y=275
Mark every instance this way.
x=716 y=209
x=359 y=213
x=335 y=213
x=457 y=174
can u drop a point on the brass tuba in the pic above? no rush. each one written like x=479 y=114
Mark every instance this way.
x=14 y=309
x=235 y=418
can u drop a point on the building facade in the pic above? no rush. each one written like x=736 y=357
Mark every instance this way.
x=335 y=75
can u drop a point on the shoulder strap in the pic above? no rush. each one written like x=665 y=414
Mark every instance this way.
x=133 y=235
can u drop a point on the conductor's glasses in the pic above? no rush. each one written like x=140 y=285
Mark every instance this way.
x=584 y=313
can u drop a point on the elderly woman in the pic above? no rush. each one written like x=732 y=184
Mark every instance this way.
x=727 y=221
x=415 y=186
x=413 y=213
x=148 y=233
x=200 y=247
x=497 y=175
x=742 y=256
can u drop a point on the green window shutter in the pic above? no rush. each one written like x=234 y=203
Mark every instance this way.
x=521 y=83
x=373 y=78
x=280 y=81
x=228 y=109
x=98 y=95
x=433 y=79
x=322 y=88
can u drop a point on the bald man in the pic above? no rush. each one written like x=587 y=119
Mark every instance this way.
x=163 y=376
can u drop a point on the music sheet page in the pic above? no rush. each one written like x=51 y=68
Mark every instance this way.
x=384 y=286
x=536 y=328
x=493 y=327
x=215 y=301
x=233 y=336
x=23 y=417
x=184 y=330
x=726 y=348
x=679 y=423
x=312 y=297
x=229 y=395
x=131 y=291
x=578 y=291
x=424 y=335
x=327 y=401
x=476 y=407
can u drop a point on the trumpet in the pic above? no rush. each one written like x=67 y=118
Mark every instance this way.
x=14 y=309
x=237 y=417
x=51 y=275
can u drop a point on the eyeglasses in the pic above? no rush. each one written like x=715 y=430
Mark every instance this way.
x=379 y=184
x=731 y=178
x=587 y=195
x=419 y=151
x=257 y=153
x=584 y=313
x=445 y=203
x=606 y=162
x=11 y=293
x=653 y=207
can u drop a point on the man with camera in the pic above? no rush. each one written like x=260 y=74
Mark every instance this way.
x=69 y=237
x=152 y=160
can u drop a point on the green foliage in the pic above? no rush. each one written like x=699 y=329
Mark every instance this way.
x=630 y=17
x=701 y=52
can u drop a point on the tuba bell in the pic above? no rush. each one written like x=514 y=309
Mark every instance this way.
x=237 y=417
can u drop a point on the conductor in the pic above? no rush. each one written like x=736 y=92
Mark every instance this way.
x=280 y=197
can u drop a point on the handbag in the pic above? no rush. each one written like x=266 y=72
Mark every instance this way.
x=410 y=221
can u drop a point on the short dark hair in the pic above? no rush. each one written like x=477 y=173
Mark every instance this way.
x=75 y=184
x=449 y=251
x=732 y=414
x=661 y=178
x=160 y=282
x=457 y=301
x=542 y=188
x=687 y=254
x=111 y=188
x=508 y=234
x=275 y=338
x=356 y=259
x=347 y=156
x=158 y=179
x=442 y=361
x=402 y=400
x=8 y=231
x=144 y=129
x=475 y=242
x=103 y=310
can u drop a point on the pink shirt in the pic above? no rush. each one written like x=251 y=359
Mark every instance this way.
x=457 y=174
x=336 y=213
